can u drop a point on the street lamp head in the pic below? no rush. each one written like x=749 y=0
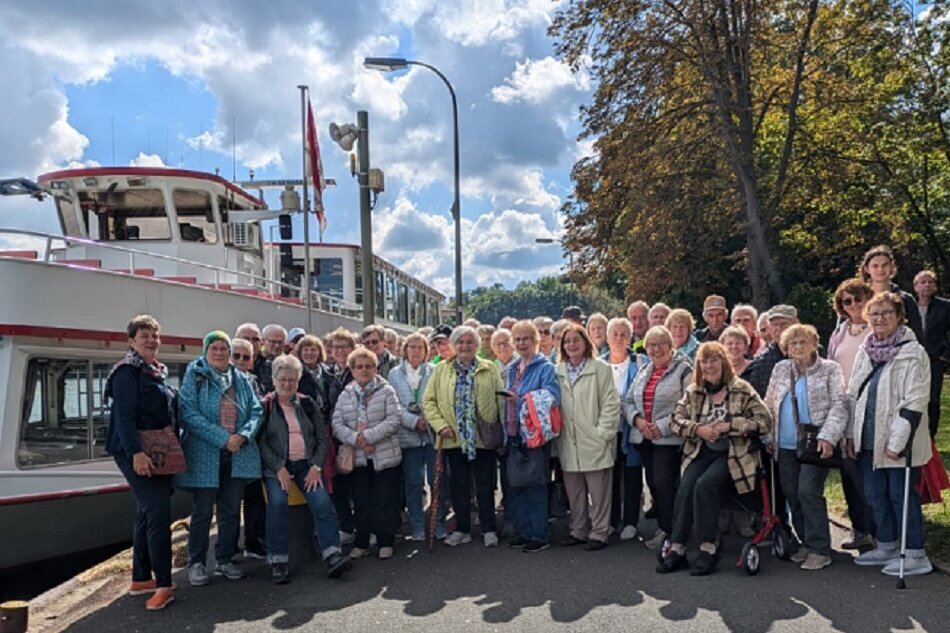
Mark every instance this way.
x=385 y=64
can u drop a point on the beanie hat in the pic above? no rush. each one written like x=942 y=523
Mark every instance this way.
x=211 y=337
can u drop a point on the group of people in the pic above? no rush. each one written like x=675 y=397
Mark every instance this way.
x=597 y=408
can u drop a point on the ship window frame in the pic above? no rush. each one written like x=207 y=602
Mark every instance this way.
x=209 y=227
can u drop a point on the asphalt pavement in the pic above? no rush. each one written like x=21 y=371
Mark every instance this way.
x=472 y=588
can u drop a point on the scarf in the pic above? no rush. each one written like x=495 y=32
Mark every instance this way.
x=574 y=372
x=156 y=370
x=884 y=351
x=465 y=407
x=221 y=379
x=362 y=398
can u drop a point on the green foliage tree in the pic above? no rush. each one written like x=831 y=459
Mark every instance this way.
x=545 y=297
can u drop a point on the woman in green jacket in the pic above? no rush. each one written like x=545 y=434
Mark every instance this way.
x=587 y=445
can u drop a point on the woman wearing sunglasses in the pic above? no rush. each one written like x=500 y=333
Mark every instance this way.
x=242 y=357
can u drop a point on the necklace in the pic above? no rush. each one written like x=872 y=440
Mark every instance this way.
x=861 y=329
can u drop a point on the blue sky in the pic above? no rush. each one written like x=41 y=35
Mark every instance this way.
x=173 y=78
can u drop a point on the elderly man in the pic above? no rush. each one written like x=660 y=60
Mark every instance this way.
x=373 y=338
x=439 y=341
x=485 y=332
x=714 y=314
x=935 y=322
x=658 y=313
x=638 y=312
x=275 y=337
x=746 y=317
x=252 y=334
x=780 y=317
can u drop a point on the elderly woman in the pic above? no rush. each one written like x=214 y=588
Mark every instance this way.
x=485 y=333
x=718 y=416
x=530 y=371
x=410 y=379
x=141 y=401
x=736 y=341
x=242 y=357
x=313 y=382
x=294 y=446
x=461 y=405
x=367 y=418
x=597 y=329
x=587 y=444
x=843 y=346
x=558 y=328
x=888 y=431
x=806 y=389
x=545 y=340
x=502 y=348
x=337 y=375
x=220 y=416
x=648 y=406
x=681 y=325
x=627 y=485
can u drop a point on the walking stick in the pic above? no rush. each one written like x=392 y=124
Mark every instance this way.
x=435 y=496
x=914 y=419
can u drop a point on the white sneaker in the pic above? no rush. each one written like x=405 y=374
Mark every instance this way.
x=457 y=538
x=358 y=552
x=198 y=575
x=883 y=554
x=656 y=541
x=385 y=553
x=490 y=539
x=628 y=533
x=346 y=538
x=915 y=564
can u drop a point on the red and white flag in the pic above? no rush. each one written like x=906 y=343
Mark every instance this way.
x=316 y=169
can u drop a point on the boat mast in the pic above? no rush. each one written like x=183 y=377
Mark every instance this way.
x=306 y=208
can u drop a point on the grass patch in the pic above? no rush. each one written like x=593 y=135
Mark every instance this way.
x=936 y=515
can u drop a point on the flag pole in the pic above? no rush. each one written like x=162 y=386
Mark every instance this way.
x=306 y=211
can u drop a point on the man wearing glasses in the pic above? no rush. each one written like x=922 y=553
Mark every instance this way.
x=275 y=337
x=373 y=338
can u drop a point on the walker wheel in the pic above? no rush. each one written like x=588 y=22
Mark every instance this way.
x=750 y=558
x=781 y=544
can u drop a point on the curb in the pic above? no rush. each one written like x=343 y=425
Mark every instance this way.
x=941 y=566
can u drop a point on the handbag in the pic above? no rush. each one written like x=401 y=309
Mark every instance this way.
x=345 y=459
x=164 y=449
x=488 y=432
x=527 y=467
x=806 y=449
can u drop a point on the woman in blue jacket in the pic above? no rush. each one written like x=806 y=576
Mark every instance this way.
x=220 y=416
x=531 y=371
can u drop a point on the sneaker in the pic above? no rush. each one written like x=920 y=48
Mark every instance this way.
x=359 y=552
x=595 y=545
x=457 y=538
x=337 y=564
x=655 y=541
x=883 y=554
x=535 y=546
x=346 y=538
x=571 y=541
x=256 y=554
x=490 y=539
x=914 y=565
x=628 y=533
x=858 y=540
x=280 y=573
x=706 y=564
x=162 y=597
x=142 y=587
x=799 y=556
x=674 y=561
x=385 y=553
x=418 y=536
x=198 y=575
x=230 y=571
x=517 y=542
x=814 y=562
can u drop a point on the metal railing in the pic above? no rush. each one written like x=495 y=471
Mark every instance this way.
x=265 y=285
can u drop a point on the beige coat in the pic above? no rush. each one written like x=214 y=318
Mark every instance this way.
x=590 y=408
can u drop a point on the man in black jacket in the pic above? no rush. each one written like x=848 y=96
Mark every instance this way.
x=935 y=321
x=780 y=317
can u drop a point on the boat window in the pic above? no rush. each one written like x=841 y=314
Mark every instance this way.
x=402 y=303
x=129 y=214
x=195 y=216
x=390 y=298
x=380 y=292
x=328 y=274
x=413 y=307
x=433 y=311
x=67 y=218
x=64 y=418
x=358 y=271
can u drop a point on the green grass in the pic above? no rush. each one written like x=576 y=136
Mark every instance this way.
x=936 y=515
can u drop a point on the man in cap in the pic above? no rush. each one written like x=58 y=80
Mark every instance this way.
x=439 y=340
x=714 y=314
x=373 y=337
x=293 y=337
x=780 y=317
x=573 y=314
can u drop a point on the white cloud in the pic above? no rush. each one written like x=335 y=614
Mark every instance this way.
x=147 y=160
x=536 y=80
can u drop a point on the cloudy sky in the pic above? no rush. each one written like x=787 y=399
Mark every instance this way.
x=180 y=80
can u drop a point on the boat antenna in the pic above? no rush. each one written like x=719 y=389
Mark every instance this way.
x=234 y=148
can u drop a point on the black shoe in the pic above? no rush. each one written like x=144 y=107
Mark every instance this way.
x=571 y=541
x=535 y=546
x=280 y=573
x=517 y=542
x=706 y=564
x=594 y=545
x=337 y=564
x=651 y=513
x=256 y=553
x=674 y=561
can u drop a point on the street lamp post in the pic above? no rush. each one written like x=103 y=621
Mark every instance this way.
x=570 y=256
x=389 y=64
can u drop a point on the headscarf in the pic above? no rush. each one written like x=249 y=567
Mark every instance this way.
x=465 y=407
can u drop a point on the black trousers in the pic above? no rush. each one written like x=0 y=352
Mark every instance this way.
x=376 y=497
x=343 y=501
x=662 y=464
x=462 y=472
x=937 y=369
x=701 y=493
x=255 y=516
x=625 y=492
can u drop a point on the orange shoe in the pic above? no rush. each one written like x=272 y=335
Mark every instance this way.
x=142 y=587
x=162 y=598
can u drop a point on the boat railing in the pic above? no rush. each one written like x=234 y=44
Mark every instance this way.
x=264 y=285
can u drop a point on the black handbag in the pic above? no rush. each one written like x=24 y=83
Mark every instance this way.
x=490 y=433
x=527 y=467
x=806 y=449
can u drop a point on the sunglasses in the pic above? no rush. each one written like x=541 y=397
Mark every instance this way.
x=364 y=367
x=544 y=332
x=244 y=357
x=848 y=301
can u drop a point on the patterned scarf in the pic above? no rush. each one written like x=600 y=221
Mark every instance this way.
x=574 y=372
x=156 y=370
x=465 y=407
x=221 y=379
x=884 y=351
x=362 y=397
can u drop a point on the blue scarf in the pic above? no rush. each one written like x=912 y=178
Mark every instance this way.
x=465 y=408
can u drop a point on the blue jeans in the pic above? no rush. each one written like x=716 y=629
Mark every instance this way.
x=326 y=530
x=417 y=463
x=884 y=489
x=227 y=497
x=530 y=509
x=152 y=534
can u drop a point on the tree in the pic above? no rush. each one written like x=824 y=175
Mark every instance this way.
x=545 y=297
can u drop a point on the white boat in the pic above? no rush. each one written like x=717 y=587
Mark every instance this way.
x=183 y=246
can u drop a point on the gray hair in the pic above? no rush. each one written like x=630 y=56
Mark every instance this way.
x=286 y=362
x=745 y=307
x=273 y=327
x=499 y=334
x=734 y=331
x=461 y=331
x=247 y=326
x=620 y=322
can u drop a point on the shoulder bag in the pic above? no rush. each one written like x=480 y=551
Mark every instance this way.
x=806 y=450
x=164 y=449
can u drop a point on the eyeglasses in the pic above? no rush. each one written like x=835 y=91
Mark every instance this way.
x=656 y=345
x=252 y=339
x=244 y=357
x=364 y=367
x=371 y=341
x=544 y=332
x=848 y=301
x=883 y=314
x=272 y=341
